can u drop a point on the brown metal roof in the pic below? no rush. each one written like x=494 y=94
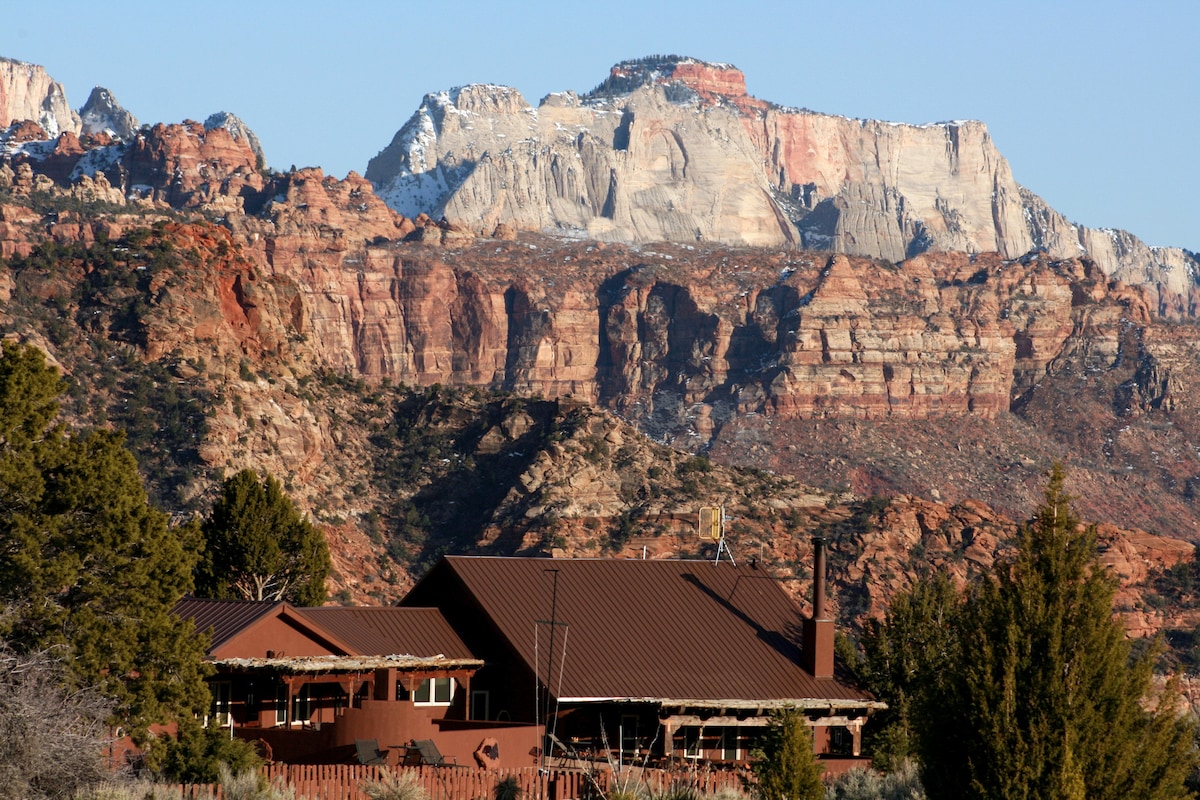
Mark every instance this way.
x=655 y=630
x=225 y=617
x=374 y=631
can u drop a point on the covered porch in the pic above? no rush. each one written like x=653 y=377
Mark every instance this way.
x=313 y=709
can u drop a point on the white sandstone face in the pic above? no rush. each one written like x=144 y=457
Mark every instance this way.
x=651 y=156
x=27 y=92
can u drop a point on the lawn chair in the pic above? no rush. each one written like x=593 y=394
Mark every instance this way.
x=430 y=755
x=369 y=753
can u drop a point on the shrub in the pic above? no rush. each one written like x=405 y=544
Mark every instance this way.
x=863 y=784
x=198 y=754
x=53 y=737
x=396 y=786
x=127 y=790
x=249 y=785
x=786 y=767
x=507 y=788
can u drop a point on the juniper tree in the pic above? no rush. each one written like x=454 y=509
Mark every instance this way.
x=903 y=654
x=86 y=564
x=259 y=547
x=786 y=767
x=1043 y=697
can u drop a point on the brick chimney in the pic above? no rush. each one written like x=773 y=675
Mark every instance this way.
x=817 y=655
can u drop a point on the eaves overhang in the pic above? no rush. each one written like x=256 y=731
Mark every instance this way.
x=801 y=703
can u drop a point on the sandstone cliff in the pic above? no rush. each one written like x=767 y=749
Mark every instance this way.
x=28 y=93
x=650 y=170
x=676 y=150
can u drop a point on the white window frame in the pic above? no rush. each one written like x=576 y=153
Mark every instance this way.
x=429 y=688
x=693 y=736
x=222 y=697
x=281 y=705
x=730 y=732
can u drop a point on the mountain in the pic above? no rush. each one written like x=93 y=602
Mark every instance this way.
x=420 y=388
x=238 y=130
x=103 y=114
x=27 y=92
x=674 y=149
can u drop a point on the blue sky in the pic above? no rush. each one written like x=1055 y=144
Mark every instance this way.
x=1095 y=104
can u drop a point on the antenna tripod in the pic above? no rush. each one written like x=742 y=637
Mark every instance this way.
x=711 y=525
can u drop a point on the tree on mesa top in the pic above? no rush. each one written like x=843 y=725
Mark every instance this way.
x=259 y=547
x=1040 y=696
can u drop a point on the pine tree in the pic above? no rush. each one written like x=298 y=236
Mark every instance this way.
x=786 y=767
x=86 y=564
x=259 y=547
x=1043 y=697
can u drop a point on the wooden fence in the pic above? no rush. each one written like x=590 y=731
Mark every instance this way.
x=345 y=781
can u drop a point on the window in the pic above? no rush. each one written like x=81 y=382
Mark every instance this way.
x=281 y=703
x=434 y=692
x=479 y=704
x=302 y=706
x=841 y=741
x=728 y=744
x=629 y=734
x=691 y=742
x=222 y=694
x=401 y=692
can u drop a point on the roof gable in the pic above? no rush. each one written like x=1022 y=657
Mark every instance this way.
x=383 y=631
x=657 y=629
x=258 y=627
x=226 y=618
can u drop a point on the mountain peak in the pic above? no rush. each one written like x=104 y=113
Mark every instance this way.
x=238 y=129
x=708 y=79
x=103 y=114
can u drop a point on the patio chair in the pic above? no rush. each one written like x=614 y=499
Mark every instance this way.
x=368 y=752
x=430 y=755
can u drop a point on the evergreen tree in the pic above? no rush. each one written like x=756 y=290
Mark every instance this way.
x=86 y=563
x=259 y=547
x=905 y=652
x=786 y=767
x=1042 y=697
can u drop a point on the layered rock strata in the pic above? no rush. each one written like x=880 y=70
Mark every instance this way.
x=676 y=150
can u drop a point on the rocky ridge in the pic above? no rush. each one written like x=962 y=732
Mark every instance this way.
x=675 y=149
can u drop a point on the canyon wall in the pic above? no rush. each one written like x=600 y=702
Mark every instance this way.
x=677 y=151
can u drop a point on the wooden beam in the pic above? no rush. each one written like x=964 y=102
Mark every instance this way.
x=676 y=721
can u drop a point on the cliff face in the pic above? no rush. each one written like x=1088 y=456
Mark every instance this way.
x=676 y=150
x=28 y=93
x=650 y=170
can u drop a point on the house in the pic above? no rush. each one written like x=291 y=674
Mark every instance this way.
x=306 y=684
x=635 y=659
